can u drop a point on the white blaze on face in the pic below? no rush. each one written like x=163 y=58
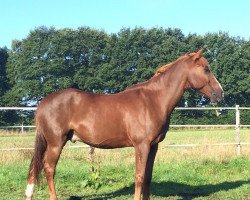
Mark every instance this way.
x=29 y=191
x=219 y=85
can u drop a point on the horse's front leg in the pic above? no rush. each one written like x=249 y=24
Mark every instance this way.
x=148 y=172
x=141 y=157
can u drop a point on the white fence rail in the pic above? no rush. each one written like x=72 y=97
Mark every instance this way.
x=237 y=124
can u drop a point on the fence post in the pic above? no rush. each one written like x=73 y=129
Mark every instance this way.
x=22 y=128
x=22 y=120
x=237 y=127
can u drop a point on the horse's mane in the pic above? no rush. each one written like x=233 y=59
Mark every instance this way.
x=165 y=67
x=159 y=71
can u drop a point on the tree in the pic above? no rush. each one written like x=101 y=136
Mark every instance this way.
x=28 y=66
x=90 y=55
x=6 y=117
x=3 y=78
x=136 y=53
x=49 y=60
x=229 y=60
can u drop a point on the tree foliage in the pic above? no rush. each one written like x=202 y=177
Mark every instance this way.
x=49 y=60
x=3 y=78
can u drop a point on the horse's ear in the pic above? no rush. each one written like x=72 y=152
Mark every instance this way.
x=197 y=55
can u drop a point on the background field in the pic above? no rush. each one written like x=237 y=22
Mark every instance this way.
x=200 y=172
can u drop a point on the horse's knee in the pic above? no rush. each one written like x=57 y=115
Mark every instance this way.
x=49 y=168
x=139 y=179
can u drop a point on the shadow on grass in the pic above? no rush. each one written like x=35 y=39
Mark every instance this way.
x=165 y=189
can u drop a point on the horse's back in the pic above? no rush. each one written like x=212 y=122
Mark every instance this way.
x=56 y=100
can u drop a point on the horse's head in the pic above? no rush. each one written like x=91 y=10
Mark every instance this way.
x=201 y=78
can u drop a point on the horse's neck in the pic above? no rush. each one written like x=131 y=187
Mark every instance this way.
x=171 y=86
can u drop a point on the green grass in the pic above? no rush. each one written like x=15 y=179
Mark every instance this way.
x=188 y=179
x=180 y=173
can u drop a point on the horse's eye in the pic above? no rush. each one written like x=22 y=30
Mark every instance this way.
x=207 y=70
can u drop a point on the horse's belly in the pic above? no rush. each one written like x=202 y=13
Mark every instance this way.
x=102 y=140
x=111 y=143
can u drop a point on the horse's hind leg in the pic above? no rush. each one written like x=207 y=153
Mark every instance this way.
x=51 y=157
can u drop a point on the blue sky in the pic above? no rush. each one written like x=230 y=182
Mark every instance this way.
x=19 y=17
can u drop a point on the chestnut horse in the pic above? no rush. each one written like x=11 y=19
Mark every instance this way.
x=137 y=117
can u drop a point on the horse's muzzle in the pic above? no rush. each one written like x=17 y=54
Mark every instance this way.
x=217 y=96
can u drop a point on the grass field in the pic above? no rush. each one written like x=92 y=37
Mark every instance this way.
x=201 y=172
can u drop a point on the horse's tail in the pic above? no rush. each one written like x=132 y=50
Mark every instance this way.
x=36 y=164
